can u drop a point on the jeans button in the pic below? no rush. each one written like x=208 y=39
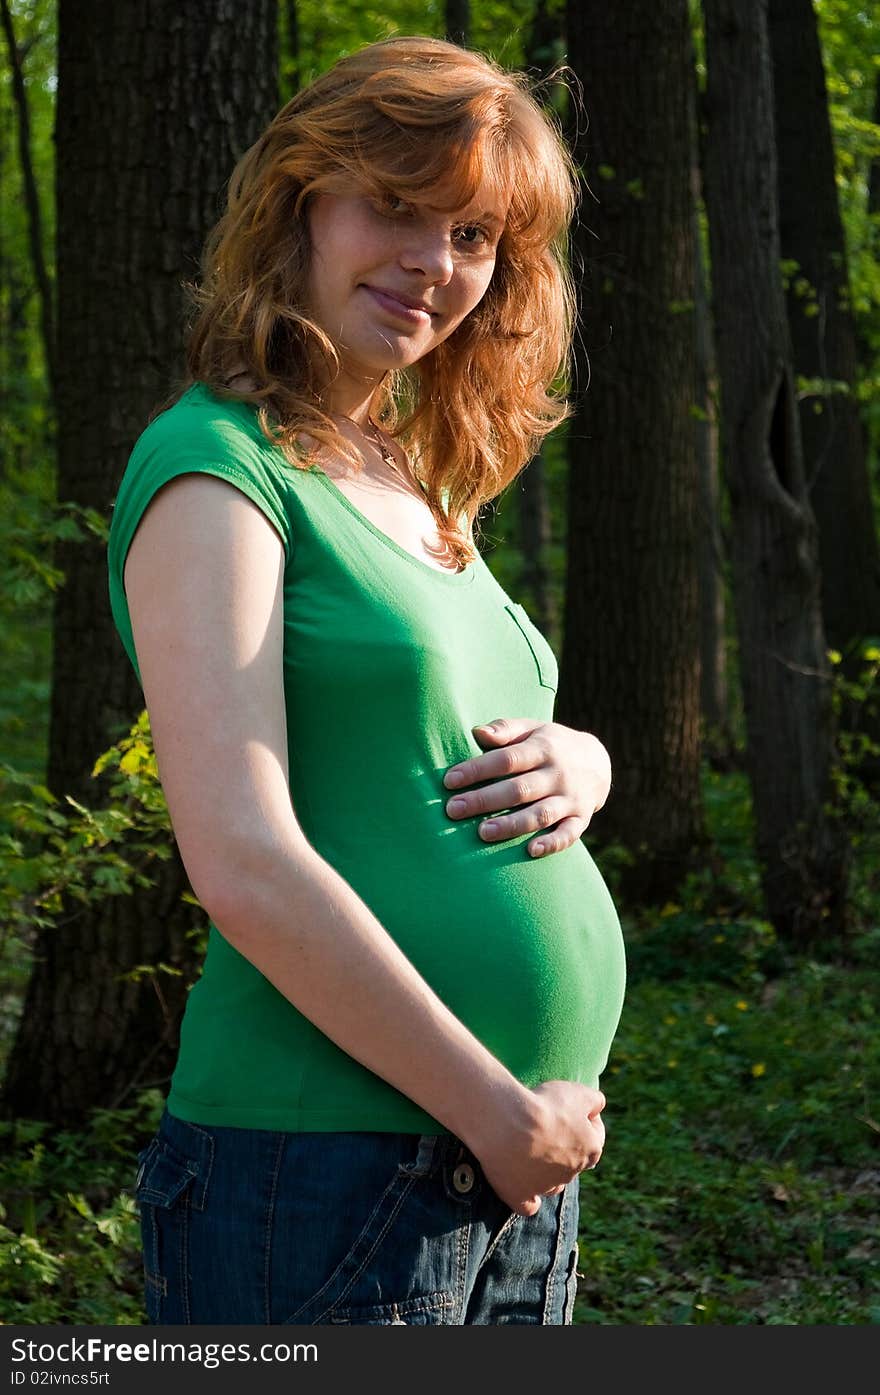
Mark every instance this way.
x=463 y=1177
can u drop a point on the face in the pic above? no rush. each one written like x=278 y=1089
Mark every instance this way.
x=390 y=280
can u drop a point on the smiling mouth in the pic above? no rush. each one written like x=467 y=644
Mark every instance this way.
x=414 y=314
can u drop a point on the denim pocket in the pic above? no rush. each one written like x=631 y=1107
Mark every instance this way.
x=545 y=659
x=429 y=1309
x=163 y=1191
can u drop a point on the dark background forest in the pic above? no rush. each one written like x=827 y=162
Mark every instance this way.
x=698 y=542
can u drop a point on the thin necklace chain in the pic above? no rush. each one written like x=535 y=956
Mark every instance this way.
x=384 y=450
x=375 y=435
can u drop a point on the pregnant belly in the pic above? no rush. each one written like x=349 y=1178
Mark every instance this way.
x=527 y=952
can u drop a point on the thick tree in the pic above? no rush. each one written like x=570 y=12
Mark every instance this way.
x=823 y=338
x=155 y=104
x=630 y=667
x=774 y=547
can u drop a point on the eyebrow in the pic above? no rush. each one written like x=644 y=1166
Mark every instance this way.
x=487 y=217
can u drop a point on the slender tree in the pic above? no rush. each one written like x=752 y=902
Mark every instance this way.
x=458 y=21
x=154 y=106
x=291 y=66
x=544 y=44
x=774 y=548
x=631 y=666
x=31 y=195
x=719 y=742
x=719 y=746
x=824 y=339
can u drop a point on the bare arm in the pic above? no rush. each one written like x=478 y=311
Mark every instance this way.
x=203 y=579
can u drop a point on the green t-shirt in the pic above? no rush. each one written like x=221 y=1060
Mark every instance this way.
x=388 y=664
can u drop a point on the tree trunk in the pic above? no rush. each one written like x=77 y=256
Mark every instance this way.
x=824 y=343
x=535 y=538
x=719 y=746
x=31 y=198
x=874 y=171
x=535 y=516
x=292 y=63
x=631 y=664
x=783 y=665
x=458 y=21
x=154 y=106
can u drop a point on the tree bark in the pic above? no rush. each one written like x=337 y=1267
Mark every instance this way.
x=154 y=107
x=719 y=744
x=774 y=547
x=631 y=664
x=824 y=342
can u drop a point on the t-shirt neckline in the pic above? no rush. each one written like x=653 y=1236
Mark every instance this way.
x=444 y=578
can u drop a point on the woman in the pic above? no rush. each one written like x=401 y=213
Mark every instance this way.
x=387 y=1083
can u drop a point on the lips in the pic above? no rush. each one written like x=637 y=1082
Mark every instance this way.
x=398 y=303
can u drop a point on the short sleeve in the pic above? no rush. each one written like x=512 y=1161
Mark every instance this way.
x=200 y=434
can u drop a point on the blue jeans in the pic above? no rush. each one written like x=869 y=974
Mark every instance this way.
x=262 y=1227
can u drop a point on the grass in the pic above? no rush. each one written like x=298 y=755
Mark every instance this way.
x=741 y=1177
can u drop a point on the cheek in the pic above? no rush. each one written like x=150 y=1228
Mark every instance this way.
x=473 y=289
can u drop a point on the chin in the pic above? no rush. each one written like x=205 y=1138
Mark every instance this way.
x=389 y=358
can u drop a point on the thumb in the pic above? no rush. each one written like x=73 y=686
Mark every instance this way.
x=530 y=1207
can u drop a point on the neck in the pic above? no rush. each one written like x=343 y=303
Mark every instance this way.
x=347 y=397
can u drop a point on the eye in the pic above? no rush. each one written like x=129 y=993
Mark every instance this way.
x=473 y=235
x=391 y=204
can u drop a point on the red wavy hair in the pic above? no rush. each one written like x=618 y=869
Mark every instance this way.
x=408 y=116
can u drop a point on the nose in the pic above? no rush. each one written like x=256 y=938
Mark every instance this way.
x=429 y=253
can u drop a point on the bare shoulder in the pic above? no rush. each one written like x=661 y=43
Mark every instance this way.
x=204 y=583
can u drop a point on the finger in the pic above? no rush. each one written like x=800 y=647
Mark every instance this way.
x=492 y=765
x=528 y=1208
x=564 y=835
x=541 y=815
x=531 y=788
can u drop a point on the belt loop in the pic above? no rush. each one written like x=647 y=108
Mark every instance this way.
x=424 y=1156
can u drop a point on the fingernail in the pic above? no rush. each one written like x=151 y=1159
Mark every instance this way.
x=453 y=779
x=536 y=849
x=488 y=830
x=456 y=806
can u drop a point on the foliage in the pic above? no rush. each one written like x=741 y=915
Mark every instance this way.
x=50 y=855
x=69 y=1228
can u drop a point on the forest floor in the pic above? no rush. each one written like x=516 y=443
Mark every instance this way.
x=741 y=1177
